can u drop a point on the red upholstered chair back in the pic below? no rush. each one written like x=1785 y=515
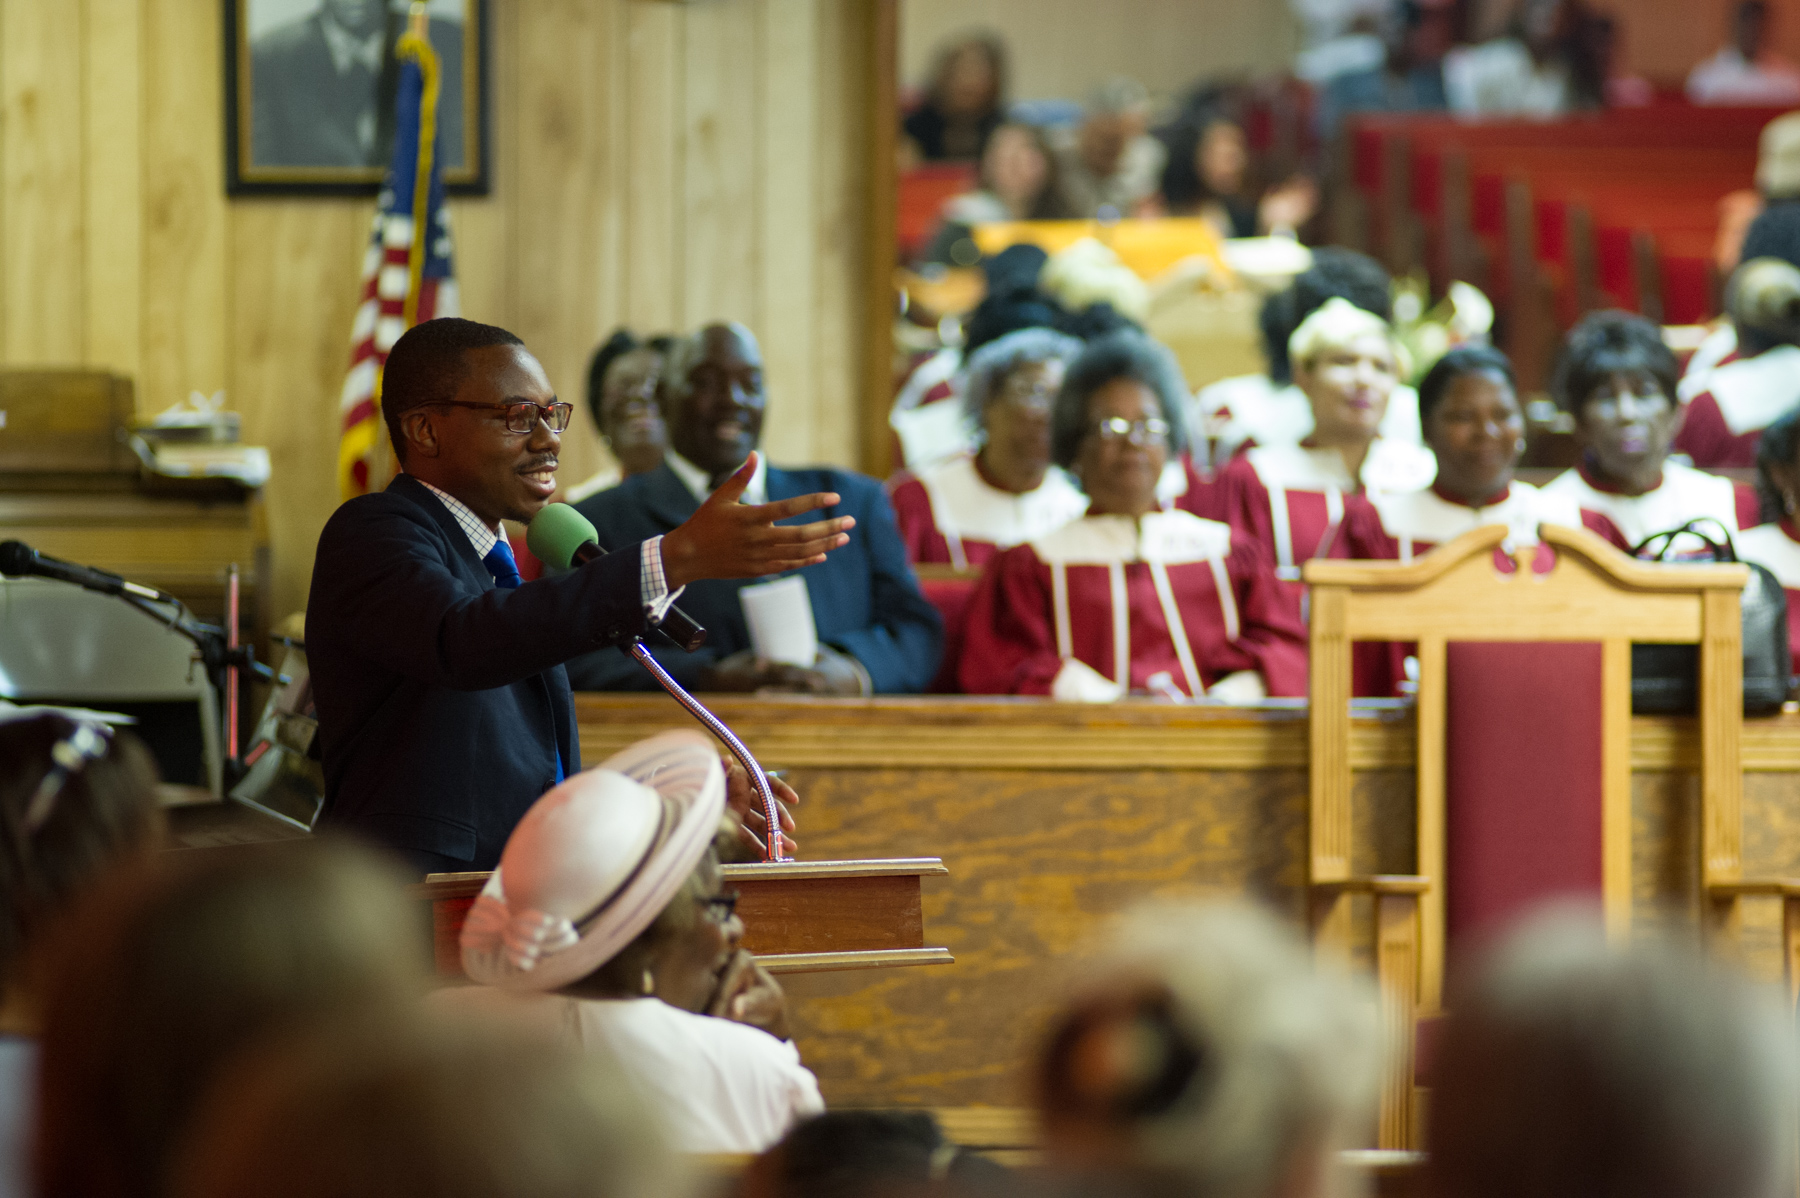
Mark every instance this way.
x=949 y=590
x=919 y=205
x=1523 y=780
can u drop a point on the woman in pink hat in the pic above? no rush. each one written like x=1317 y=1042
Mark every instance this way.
x=608 y=926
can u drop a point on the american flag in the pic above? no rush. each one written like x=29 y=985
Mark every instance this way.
x=405 y=279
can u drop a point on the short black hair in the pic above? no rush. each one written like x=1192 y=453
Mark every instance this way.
x=426 y=366
x=1775 y=233
x=1122 y=355
x=1464 y=359
x=998 y=315
x=1335 y=273
x=1609 y=343
x=1777 y=447
x=1096 y=321
x=841 y=1154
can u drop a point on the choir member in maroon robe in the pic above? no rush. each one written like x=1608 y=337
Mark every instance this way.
x=1777 y=545
x=1475 y=426
x=1749 y=373
x=1617 y=378
x=963 y=511
x=1130 y=598
x=1292 y=498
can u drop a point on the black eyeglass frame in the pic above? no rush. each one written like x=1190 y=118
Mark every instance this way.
x=554 y=415
x=713 y=902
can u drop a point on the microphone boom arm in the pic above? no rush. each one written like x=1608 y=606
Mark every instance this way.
x=758 y=779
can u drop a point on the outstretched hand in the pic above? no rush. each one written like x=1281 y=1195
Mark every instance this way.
x=728 y=539
x=746 y=810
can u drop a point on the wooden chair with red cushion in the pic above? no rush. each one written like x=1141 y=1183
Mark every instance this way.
x=1524 y=752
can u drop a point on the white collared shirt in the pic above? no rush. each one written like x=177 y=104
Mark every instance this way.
x=653 y=585
x=699 y=482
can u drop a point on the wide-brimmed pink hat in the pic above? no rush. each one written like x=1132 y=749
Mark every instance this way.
x=594 y=862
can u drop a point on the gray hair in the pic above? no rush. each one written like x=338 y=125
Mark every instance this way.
x=1125 y=354
x=686 y=351
x=1574 y=1066
x=994 y=363
x=1272 y=1057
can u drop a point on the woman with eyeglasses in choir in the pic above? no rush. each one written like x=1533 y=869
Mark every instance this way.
x=1130 y=599
x=964 y=511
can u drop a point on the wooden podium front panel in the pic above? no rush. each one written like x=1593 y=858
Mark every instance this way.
x=1050 y=817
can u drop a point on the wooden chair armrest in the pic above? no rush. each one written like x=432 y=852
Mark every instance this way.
x=1786 y=888
x=1378 y=884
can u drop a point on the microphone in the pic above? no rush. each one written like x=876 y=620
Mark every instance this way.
x=18 y=559
x=562 y=537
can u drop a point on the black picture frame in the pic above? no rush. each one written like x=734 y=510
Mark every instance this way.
x=254 y=169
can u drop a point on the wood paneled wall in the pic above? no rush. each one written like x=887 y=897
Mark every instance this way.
x=656 y=164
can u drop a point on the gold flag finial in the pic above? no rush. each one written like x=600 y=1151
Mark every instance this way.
x=417 y=22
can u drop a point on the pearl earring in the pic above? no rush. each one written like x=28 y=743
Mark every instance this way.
x=649 y=982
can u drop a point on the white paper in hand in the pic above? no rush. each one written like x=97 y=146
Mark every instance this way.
x=780 y=616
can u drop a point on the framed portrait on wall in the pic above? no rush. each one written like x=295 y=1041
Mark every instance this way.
x=309 y=94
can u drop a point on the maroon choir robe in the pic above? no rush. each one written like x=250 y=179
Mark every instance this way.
x=1777 y=546
x=1400 y=527
x=950 y=514
x=1108 y=605
x=1730 y=403
x=1292 y=499
x=1684 y=494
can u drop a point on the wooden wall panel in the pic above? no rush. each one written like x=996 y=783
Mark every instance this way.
x=112 y=278
x=41 y=178
x=654 y=164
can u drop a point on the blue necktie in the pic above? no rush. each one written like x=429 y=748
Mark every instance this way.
x=500 y=564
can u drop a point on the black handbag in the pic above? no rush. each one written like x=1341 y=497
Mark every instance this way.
x=1665 y=679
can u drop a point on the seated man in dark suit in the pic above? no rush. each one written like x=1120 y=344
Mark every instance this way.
x=444 y=711
x=877 y=633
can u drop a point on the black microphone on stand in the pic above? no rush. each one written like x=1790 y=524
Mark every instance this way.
x=562 y=537
x=17 y=559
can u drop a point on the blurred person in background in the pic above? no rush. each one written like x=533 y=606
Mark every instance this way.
x=964 y=103
x=77 y=799
x=400 y=1109
x=1616 y=377
x=1731 y=395
x=1111 y=165
x=1018 y=182
x=1236 y=414
x=1130 y=599
x=167 y=971
x=1545 y=65
x=1573 y=1064
x=1291 y=499
x=621 y=397
x=608 y=928
x=1407 y=76
x=1747 y=70
x=1776 y=542
x=964 y=511
x=1207 y=175
x=1203 y=1052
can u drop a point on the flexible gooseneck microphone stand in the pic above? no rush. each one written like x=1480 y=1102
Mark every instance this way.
x=760 y=780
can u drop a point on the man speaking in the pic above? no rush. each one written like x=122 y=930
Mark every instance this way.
x=444 y=710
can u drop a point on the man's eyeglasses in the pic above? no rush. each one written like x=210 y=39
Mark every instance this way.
x=1142 y=433
x=720 y=907
x=521 y=417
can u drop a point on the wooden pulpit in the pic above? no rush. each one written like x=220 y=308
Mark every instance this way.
x=799 y=916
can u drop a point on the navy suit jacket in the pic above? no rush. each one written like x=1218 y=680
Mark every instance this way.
x=865 y=598
x=443 y=704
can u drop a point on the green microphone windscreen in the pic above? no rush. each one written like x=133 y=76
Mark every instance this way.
x=557 y=532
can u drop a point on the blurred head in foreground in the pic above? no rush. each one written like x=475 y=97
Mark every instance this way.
x=170 y=969
x=872 y=1154
x=435 y=1110
x=75 y=799
x=1209 y=1056
x=1575 y=1067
